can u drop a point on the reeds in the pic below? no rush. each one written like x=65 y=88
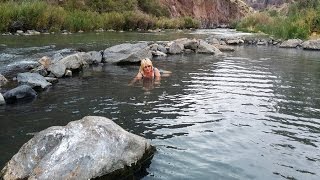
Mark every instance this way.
x=41 y=16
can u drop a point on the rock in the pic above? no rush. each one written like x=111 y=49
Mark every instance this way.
x=224 y=48
x=88 y=148
x=51 y=79
x=175 y=48
x=2 y=101
x=127 y=53
x=20 y=93
x=57 y=69
x=68 y=73
x=291 y=43
x=95 y=57
x=206 y=48
x=311 y=44
x=3 y=80
x=45 y=61
x=56 y=57
x=158 y=53
x=34 y=80
x=75 y=61
x=234 y=41
x=41 y=70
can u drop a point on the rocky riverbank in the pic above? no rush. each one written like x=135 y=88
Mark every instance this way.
x=48 y=70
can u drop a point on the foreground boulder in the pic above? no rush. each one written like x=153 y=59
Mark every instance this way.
x=84 y=149
x=127 y=53
x=19 y=94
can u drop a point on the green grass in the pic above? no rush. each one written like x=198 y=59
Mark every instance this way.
x=300 y=21
x=72 y=16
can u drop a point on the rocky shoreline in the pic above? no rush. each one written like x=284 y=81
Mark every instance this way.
x=49 y=69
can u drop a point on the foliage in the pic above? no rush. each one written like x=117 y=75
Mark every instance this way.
x=75 y=15
x=153 y=7
x=302 y=19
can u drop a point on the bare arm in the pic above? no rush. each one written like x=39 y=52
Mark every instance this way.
x=138 y=77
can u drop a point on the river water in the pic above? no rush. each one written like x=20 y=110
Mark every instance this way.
x=250 y=114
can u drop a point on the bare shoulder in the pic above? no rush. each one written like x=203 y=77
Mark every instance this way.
x=157 y=72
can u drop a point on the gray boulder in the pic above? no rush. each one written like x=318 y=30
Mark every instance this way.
x=127 y=53
x=75 y=61
x=175 y=48
x=291 y=43
x=95 y=57
x=206 y=48
x=20 y=93
x=84 y=149
x=311 y=44
x=57 y=69
x=34 y=80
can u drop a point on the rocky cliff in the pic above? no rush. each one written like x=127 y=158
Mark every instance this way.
x=211 y=13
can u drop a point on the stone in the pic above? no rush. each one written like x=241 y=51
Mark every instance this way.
x=34 y=80
x=84 y=149
x=57 y=69
x=206 y=48
x=68 y=73
x=45 y=61
x=291 y=43
x=311 y=44
x=127 y=53
x=19 y=94
x=176 y=48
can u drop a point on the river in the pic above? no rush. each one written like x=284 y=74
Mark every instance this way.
x=251 y=114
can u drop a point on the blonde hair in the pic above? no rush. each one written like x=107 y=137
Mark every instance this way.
x=145 y=62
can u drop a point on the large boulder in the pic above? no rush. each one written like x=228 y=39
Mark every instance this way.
x=311 y=44
x=19 y=94
x=127 y=53
x=291 y=43
x=84 y=149
x=206 y=48
x=34 y=80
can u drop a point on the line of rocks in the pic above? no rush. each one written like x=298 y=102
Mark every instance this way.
x=49 y=70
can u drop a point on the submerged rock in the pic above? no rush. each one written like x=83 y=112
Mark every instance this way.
x=20 y=93
x=84 y=149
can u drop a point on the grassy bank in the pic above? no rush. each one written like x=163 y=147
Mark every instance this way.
x=91 y=15
x=299 y=20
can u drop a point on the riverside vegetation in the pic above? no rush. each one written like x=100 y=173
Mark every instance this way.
x=74 y=15
x=300 y=19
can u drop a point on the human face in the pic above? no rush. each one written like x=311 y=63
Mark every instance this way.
x=147 y=68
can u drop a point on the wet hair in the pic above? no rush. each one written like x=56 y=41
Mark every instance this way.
x=145 y=62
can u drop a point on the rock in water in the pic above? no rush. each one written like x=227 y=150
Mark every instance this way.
x=84 y=149
x=20 y=94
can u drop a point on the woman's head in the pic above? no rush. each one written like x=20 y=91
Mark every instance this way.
x=146 y=65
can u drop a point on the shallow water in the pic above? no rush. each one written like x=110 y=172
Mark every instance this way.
x=251 y=114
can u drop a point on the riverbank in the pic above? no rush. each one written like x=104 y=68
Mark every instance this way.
x=39 y=16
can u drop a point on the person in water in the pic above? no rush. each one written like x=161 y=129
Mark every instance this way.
x=149 y=75
x=147 y=70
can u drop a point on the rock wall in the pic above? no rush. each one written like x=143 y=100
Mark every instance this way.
x=211 y=13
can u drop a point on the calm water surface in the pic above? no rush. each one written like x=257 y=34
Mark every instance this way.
x=250 y=114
